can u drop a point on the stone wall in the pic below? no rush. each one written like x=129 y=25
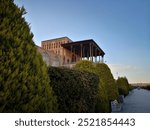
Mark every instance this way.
x=50 y=58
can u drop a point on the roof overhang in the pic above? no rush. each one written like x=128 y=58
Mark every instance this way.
x=85 y=47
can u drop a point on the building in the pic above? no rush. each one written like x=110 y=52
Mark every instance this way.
x=50 y=58
x=69 y=52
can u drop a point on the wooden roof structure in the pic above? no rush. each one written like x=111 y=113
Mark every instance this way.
x=85 y=48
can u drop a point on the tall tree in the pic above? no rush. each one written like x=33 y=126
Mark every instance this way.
x=24 y=81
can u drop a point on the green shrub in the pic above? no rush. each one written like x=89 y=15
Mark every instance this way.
x=24 y=80
x=107 y=87
x=108 y=81
x=123 y=85
x=76 y=91
x=102 y=100
x=85 y=65
x=130 y=87
x=146 y=87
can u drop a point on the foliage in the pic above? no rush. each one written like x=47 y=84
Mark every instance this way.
x=108 y=80
x=130 y=87
x=102 y=100
x=107 y=87
x=24 y=81
x=85 y=65
x=123 y=85
x=146 y=87
x=76 y=91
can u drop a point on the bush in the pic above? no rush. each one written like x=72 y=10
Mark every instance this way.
x=107 y=87
x=76 y=91
x=102 y=100
x=108 y=81
x=123 y=85
x=24 y=80
x=85 y=65
x=146 y=87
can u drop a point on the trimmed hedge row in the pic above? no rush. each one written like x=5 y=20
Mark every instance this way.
x=76 y=91
x=123 y=86
x=107 y=88
x=108 y=80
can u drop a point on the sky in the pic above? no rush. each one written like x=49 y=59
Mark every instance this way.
x=120 y=27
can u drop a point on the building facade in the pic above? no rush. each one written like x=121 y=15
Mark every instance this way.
x=69 y=52
x=50 y=58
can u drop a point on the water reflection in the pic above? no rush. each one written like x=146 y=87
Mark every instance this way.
x=138 y=101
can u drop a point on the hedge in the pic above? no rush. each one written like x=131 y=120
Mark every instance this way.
x=107 y=88
x=123 y=86
x=76 y=91
x=108 y=80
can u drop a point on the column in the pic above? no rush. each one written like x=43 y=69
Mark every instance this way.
x=87 y=55
x=102 y=59
x=71 y=55
x=83 y=55
x=81 y=51
x=90 y=51
x=99 y=57
x=95 y=54
x=74 y=55
x=71 y=49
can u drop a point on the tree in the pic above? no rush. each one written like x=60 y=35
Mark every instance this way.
x=24 y=80
x=123 y=85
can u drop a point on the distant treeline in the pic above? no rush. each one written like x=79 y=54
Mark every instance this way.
x=146 y=87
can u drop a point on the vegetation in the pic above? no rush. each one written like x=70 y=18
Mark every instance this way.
x=107 y=88
x=108 y=80
x=86 y=66
x=130 y=87
x=24 y=81
x=76 y=91
x=146 y=87
x=123 y=86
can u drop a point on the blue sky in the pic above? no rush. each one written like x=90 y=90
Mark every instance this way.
x=120 y=27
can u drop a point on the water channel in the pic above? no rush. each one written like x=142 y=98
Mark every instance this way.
x=138 y=101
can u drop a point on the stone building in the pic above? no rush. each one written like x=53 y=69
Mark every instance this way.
x=50 y=58
x=64 y=52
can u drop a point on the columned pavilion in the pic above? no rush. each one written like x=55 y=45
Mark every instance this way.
x=86 y=50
